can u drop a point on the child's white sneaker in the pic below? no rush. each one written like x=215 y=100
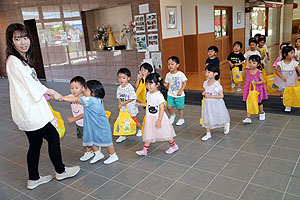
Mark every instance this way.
x=206 y=137
x=172 y=149
x=121 y=139
x=180 y=122
x=139 y=133
x=112 y=158
x=247 y=121
x=226 y=128
x=87 y=155
x=33 y=184
x=172 y=118
x=232 y=85
x=68 y=173
x=98 y=156
x=262 y=116
x=288 y=109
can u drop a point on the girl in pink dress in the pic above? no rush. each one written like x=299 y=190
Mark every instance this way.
x=254 y=75
x=157 y=126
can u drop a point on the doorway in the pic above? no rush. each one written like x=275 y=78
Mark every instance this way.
x=37 y=59
x=223 y=30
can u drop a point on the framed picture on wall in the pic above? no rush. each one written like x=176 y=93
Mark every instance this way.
x=171 y=17
x=151 y=21
x=238 y=17
x=139 y=21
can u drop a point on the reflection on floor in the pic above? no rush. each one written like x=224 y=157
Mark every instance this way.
x=257 y=161
x=195 y=81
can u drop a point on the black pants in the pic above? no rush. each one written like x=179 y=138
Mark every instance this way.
x=35 y=138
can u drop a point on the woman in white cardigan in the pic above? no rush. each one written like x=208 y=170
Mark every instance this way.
x=29 y=107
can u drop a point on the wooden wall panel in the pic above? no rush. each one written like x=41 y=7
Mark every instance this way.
x=190 y=47
x=204 y=41
x=239 y=35
x=172 y=47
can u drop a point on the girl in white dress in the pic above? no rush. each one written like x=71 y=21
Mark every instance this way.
x=214 y=111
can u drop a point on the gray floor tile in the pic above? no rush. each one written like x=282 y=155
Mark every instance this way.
x=237 y=171
x=111 y=170
x=181 y=191
x=7 y=193
x=89 y=183
x=246 y=128
x=215 y=139
x=239 y=135
x=67 y=194
x=131 y=176
x=274 y=131
x=283 y=153
x=295 y=119
x=221 y=153
x=89 y=198
x=155 y=185
x=297 y=171
x=227 y=186
x=190 y=154
x=280 y=166
x=171 y=170
x=279 y=117
x=212 y=196
x=291 y=197
x=263 y=139
x=148 y=164
x=270 y=179
x=210 y=164
x=254 y=192
x=294 y=186
x=274 y=123
x=248 y=159
x=230 y=143
x=136 y=194
x=187 y=135
x=288 y=143
x=197 y=178
x=129 y=158
x=290 y=133
x=22 y=197
x=111 y=191
x=256 y=148
x=293 y=126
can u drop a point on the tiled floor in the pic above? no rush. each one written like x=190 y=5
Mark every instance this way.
x=258 y=161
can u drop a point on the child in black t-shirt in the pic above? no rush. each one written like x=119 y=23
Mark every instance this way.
x=236 y=58
x=212 y=56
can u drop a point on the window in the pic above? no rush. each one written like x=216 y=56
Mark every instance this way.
x=221 y=23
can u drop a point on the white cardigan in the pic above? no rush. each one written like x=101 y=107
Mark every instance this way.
x=29 y=108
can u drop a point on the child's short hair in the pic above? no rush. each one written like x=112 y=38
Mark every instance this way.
x=252 y=40
x=298 y=38
x=214 y=48
x=78 y=79
x=257 y=35
x=286 y=50
x=262 y=39
x=212 y=67
x=238 y=43
x=96 y=88
x=255 y=58
x=155 y=78
x=124 y=71
x=174 y=59
x=147 y=67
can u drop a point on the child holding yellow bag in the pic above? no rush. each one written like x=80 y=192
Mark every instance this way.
x=157 y=126
x=97 y=131
x=214 y=112
x=254 y=75
x=127 y=99
x=140 y=84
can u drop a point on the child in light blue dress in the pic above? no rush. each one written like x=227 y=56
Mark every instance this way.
x=97 y=131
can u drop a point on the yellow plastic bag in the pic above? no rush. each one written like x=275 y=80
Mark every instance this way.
x=141 y=92
x=252 y=103
x=291 y=95
x=236 y=75
x=57 y=122
x=124 y=124
x=107 y=114
x=271 y=87
x=201 y=110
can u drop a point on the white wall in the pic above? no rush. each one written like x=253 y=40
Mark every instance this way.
x=189 y=17
x=170 y=33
